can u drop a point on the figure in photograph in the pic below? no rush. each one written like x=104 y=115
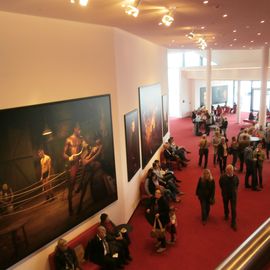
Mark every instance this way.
x=6 y=199
x=88 y=163
x=72 y=154
x=46 y=168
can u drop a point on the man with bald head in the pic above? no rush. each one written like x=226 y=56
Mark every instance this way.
x=229 y=184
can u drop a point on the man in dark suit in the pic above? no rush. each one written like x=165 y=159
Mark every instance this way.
x=229 y=184
x=101 y=252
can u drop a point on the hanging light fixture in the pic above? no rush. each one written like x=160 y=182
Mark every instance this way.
x=47 y=130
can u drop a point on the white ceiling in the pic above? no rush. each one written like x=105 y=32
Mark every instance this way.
x=190 y=15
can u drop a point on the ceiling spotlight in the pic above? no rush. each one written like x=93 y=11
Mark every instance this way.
x=202 y=43
x=167 y=20
x=131 y=8
x=234 y=39
x=251 y=41
x=262 y=21
x=258 y=34
x=205 y=2
x=190 y=35
x=225 y=15
x=83 y=3
x=234 y=31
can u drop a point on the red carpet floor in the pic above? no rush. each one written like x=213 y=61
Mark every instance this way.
x=198 y=246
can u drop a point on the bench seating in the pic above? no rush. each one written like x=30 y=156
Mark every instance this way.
x=82 y=239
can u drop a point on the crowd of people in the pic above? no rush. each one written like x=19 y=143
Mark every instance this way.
x=110 y=247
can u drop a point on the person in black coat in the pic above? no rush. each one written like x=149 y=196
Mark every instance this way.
x=206 y=193
x=229 y=185
x=158 y=208
x=100 y=252
x=222 y=153
x=65 y=257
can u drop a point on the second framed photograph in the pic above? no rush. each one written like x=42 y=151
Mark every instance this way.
x=132 y=143
x=150 y=116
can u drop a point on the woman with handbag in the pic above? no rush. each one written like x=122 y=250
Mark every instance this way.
x=206 y=193
x=157 y=214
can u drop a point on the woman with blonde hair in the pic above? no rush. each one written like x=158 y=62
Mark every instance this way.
x=206 y=193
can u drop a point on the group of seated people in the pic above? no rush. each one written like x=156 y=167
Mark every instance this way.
x=173 y=152
x=109 y=248
x=164 y=180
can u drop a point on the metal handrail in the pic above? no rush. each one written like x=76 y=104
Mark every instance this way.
x=252 y=253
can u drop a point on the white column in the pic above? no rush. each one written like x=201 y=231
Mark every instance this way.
x=208 y=80
x=265 y=59
x=238 y=112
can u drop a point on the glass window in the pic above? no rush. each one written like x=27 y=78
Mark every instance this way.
x=192 y=59
x=245 y=96
x=175 y=60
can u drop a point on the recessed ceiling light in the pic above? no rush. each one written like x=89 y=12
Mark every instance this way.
x=83 y=3
x=234 y=31
x=230 y=45
x=205 y=2
x=72 y=1
x=258 y=34
x=251 y=41
x=202 y=27
x=262 y=21
x=234 y=39
x=225 y=15
x=213 y=37
x=265 y=42
x=244 y=46
x=216 y=44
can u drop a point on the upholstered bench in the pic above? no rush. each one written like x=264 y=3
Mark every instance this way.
x=79 y=244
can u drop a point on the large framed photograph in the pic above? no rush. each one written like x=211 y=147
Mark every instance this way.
x=219 y=95
x=165 y=115
x=132 y=143
x=57 y=169
x=150 y=120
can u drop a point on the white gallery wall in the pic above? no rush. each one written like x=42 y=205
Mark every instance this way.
x=45 y=60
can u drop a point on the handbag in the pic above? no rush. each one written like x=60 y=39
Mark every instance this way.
x=157 y=232
x=212 y=201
